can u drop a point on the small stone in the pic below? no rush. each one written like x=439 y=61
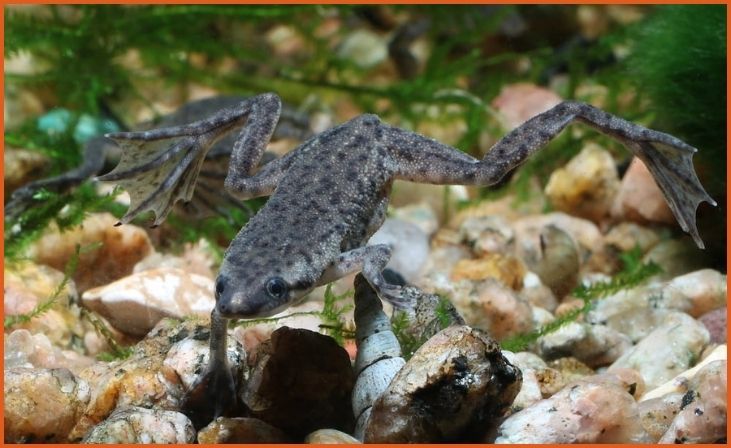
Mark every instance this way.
x=28 y=285
x=668 y=350
x=330 y=437
x=504 y=268
x=364 y=48
x=142 y=425
x=487 y=234
x=558 y=263
x=21 y=166
x=586 y=186
x=571 y=369
x=715 y=323
x=301 y=381
x=594 y=345
x=702 y=416
x=625 y=236
x=676 y=257
x=122 y=247
x=596 y=409
x=136 y=303
x=460 y=383
x=41 y=405
x=23 y=349
x=157 y=373
x=658 y=413
x=196 y=258
x=517 y=103
x=639 y=198
x=585 y=234
x=682 y=383
x=241 y=430
x=421 y=215
x=538 y=294
x=444 y=200
x=495 y=308
x=410 y=247
x=696 y=293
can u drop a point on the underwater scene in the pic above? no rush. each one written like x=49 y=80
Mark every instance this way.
x=365 y=224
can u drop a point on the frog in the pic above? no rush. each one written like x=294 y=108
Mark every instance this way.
x=330 y=194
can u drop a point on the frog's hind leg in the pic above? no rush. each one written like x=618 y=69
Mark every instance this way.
x=669 y=159
x=160 y=167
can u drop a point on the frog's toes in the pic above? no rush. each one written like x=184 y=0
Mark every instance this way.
x=398 y=296
x=213 y=395
x=157 y=173
x=670 y=162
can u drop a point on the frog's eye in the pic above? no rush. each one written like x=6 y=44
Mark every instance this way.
x=276 y=288
x=220 y=286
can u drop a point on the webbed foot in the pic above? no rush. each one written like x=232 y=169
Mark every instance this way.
x=213 y=395
x=158 y=168
x=671 y=163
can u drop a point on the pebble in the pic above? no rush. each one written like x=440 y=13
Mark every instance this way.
x=330 y=437
x=196 y=258
x=410 y=247
x=28 y=285
x=596 y=409
x=625 y=236
x=487 y=234
x=421 y=215
x=21 y=166
x=141 y=425
x=557 y=265
x=444 y=200
x=682 y=382
x=658 y=413
x=363 y=48
x=594 y=345
x=538 y=294
x=122 y=247
x=639 y=198
x=715 y=323
x=495 y=308
x=668 y=350
x=528 y=230
x=519 y=102
x=41 y=405
x=506 y=269
x=24 y=349
x=702 y=416
x=136 y=303
x=156 y=374
x=459 y=381
x=676 y=257
x=586 y=186
x=301 y=381
x=696 y=293
x=241 y=430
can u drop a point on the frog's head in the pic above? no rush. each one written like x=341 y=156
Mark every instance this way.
x=251 y=290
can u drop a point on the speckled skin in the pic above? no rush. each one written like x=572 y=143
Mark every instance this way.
x=330 y=194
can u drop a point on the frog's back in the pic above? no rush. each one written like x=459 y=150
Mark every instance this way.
x=327 y=198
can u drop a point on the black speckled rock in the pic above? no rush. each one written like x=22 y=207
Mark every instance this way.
x=301 y=382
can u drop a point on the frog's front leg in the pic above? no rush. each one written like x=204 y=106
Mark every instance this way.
x=161 y=166
x=370 y=261
x=214 y=393
x=669 y=159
